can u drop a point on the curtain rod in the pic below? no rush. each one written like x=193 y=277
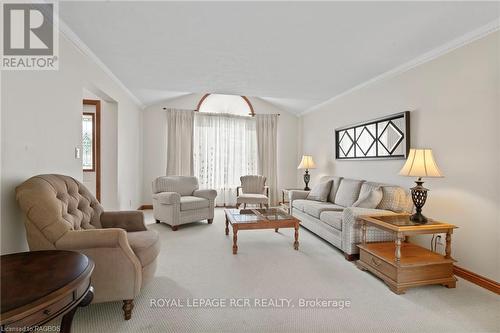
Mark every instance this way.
x=250 y=114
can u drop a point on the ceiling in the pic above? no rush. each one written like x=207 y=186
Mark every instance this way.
x=293 y=54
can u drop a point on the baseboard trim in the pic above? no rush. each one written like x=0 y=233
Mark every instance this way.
x=143 y=207
x=477 y=279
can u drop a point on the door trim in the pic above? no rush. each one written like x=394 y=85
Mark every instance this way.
x=97 y=104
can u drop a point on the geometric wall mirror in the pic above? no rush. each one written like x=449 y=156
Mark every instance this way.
x=382 y=138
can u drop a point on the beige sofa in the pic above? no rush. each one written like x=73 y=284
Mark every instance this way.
x=61 y=214
x=337 y=222
x=177 y=200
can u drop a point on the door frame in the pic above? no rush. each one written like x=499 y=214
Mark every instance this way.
x=97 y=147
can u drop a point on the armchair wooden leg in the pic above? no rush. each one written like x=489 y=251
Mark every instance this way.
x=174 y=227
x=244 y=206
x=210 y=221
x=128 y=305
x=157 y=221
x=237 y=205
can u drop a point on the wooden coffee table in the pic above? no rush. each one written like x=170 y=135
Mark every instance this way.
x=253 y=219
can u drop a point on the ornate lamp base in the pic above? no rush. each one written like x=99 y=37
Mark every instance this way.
x=307 y=178
x=419 y=196
x=418 y=218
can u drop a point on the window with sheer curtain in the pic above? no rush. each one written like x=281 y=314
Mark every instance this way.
x=224 y=148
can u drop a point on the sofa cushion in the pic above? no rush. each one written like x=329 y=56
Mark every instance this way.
x=334 y=189
x=368 y=186
x=348 y=192
x=332 y=218
x=252 y=198
x=315 y=208
x=184 y=185
x=145 y=245
x=189 y=203
x=299 y=204
x=320 y=191
x=369 y=199
x=395 y=199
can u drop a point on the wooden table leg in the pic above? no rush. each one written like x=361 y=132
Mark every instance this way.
x=448 y=245
x=235 y=240
x=276 y=230
x=296 y=242
x=227 y=226
x=398 y=247
x=67 y=319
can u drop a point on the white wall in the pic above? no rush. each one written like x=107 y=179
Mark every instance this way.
x=455 y=111
x=109 y=156
x=154 y=121
x=41 y=126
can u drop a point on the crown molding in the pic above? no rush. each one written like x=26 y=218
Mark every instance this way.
x=422 y=59
x=70 y=35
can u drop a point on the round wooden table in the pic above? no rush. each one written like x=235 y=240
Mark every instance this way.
x=37 y=287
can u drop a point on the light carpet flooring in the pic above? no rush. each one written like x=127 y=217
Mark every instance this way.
x=196 y=262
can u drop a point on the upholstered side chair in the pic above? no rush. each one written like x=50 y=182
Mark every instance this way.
x=253 y=191
x=61 y=214
x=178 y=200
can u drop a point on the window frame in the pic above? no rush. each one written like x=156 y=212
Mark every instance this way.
x=252 y=112
x=93 y=169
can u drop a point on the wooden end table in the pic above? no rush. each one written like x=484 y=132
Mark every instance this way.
x=253 y=219
x=402 y=264
x=40 y=286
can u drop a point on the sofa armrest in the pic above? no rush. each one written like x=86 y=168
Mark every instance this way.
x=297 y=194
x=266 y=190
x=93 y=238
x=207 y=194
x=129 y=220
x=351 y=228
x=167 y=198
x=114 y=259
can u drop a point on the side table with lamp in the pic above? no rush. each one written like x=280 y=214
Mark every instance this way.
x=400 y=264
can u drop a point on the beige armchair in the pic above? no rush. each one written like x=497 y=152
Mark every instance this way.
x=61 y=214
x=177 y=200
x=253 y=191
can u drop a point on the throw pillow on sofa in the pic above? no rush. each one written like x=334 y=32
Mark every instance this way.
x=320 y=191
x=348 y=192
x=369 y=199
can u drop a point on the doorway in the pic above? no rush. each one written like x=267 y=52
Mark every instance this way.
x=91 y=146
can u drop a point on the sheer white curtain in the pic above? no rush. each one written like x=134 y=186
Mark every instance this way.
x=179 y=142
x=224 y=148
x=267 y=140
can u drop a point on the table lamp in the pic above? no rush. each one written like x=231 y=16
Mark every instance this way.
x=307 y=163
x=420 y=163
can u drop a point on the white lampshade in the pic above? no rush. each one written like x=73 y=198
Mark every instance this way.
x=307 y=163
x=420 y=163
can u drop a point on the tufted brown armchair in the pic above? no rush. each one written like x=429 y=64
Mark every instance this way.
x=61 y=214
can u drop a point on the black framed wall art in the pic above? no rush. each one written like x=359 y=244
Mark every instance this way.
x=382 y=138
